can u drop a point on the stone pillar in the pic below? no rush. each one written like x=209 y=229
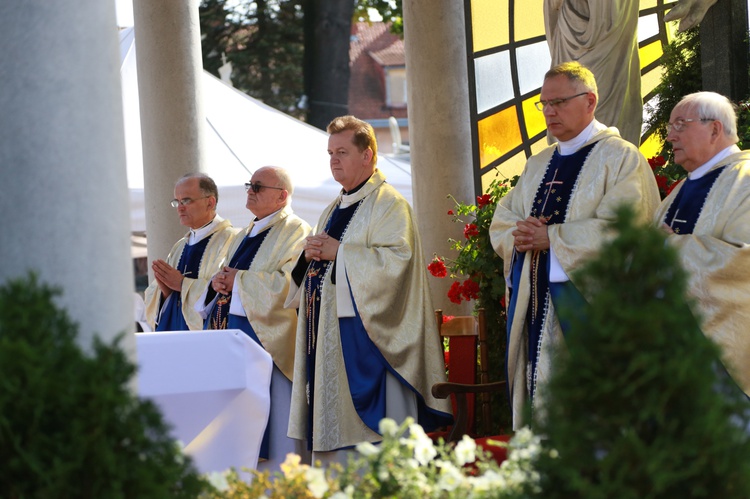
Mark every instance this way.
x=439 y=126
x=724 y=49
x=64 y=195
x=168 y=48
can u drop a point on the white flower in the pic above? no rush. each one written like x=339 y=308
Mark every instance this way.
x=218 y=480
x=465 y=451
x=450 y=477
x=367 y=449
x=388 y=427
x=316 y=482
x=422 y=445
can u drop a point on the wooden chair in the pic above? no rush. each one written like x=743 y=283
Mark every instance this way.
x=466 y=333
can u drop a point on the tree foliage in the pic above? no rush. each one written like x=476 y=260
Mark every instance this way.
x=640 y=405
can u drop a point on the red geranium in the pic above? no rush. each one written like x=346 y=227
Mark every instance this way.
x=454 y=293
x=662 y=182
x=483 y=200
x=470 y=230
x=657 y=162
x=437 y=267
x=450 y=212
x=447 y=318
x=470 y=289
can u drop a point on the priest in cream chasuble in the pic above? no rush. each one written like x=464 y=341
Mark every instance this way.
x=555 y=218
x=367 y=341
x=248 y=293
x=194 y=259
x=707 y=218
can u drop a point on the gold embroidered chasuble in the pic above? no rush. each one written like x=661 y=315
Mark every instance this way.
x=264 y=286
x=212 y=260
x=613 y=173
x=717 y=258
x=382 y=255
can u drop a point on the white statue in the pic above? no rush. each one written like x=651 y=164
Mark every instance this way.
x=602 y=35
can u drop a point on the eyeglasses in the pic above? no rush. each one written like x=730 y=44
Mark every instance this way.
x=680 y=123
x=556 y=102
x=184 y=201
x=256 y=187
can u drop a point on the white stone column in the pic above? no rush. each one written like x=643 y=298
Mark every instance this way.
x=168 y=48
x=439 y=126
x=64 y=187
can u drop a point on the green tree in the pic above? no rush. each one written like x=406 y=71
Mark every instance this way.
x=640 y=405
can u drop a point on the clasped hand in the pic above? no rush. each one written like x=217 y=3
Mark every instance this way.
x=167 y=277
x=531 y=235
x=321 y=247
x=223 y=281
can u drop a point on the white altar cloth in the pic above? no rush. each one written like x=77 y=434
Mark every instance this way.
x=213 y=389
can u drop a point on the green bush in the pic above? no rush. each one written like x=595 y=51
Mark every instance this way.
x=69 y=426
x=640 y=406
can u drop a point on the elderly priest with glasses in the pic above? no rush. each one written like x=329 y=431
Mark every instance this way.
x=707 y=219
x=194 y=259
x=556 y=217
x=248 y=293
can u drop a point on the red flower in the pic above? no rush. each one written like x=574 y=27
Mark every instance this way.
x=483 y=200
x=470 y=289
x=657 y=162
x=454 y=293
x=661 y=182
x=437 y=268
x=470 y=230
x=502 y=301
x=672 y=186
x=450 y=212
x=447 y=318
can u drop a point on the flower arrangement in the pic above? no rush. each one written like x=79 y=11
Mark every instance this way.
x=406 y=464
x=667 y=175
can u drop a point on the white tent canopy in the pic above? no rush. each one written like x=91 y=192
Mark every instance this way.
x=242 y=135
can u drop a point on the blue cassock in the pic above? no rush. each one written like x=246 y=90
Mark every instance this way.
x=365 y=365
x=190 y=261
x=220 y=318
x=551 y=202
x=687 y=205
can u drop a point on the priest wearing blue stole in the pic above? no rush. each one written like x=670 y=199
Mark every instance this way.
x=367 y=341
x=248 y=293
x=707 y=217
x=555 y=218
x=181 y=278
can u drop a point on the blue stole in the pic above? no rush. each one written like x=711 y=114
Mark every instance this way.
x=242 y=259
x=316 y=272
x=687 y=205
x=551 y=202
x=190 y=261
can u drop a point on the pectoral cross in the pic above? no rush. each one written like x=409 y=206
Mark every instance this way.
x=550 y=185
x=675 y=219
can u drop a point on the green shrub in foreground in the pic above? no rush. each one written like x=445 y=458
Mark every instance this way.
x=69 y=426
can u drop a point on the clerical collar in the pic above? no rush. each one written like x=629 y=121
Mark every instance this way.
x=259 y=225
x=570 y=146
x=197 y=235
x=705 y=167
x=349 y=193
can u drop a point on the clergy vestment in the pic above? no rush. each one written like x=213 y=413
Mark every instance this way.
x=256 y=305
x=210 y=260
x=712 y=235
x=579 y=193
x=372 y=338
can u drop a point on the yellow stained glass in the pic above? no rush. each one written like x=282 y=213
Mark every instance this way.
x=489 y=23
x=529 y=21
x=507 y=170
x=498 y=134
x=650 y=53
x=650 y=80
x=534 y=118
x=652 y=146
x=646 y=4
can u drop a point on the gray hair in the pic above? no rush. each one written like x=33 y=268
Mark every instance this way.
x=713 y=106
x=577 y=73
x=205 y=183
